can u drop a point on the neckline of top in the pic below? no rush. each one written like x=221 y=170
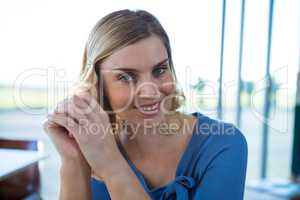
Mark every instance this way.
x=180 y=163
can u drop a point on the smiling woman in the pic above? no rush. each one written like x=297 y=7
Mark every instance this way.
x=128 y=83
x=147 y=52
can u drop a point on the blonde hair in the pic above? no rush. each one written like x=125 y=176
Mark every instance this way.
x=111 y=33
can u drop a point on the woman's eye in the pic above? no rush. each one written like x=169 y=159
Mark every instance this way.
x=160 y=71
x=126 y=77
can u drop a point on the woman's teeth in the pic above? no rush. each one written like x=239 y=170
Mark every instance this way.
x=150 y=108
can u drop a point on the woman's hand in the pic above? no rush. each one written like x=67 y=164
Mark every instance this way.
x=64 y=143
x=89 y=125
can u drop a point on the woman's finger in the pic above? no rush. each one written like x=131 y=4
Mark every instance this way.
x=64 y=120
x=88 y=99
x=61 y=107
x=76 y=112
x=94 y=110
x=56 y=133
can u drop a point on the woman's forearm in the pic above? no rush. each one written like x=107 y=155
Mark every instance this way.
x=122 y=183
x=75 y=183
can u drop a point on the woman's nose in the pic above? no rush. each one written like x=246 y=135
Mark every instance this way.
x=148 y=89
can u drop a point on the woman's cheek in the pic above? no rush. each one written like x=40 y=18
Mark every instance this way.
x=118 y=93
x=167 y=85
x=120 y=99
x=168 y=88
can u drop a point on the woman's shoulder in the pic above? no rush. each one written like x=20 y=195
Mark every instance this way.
x=216 y=134
x=216 y=143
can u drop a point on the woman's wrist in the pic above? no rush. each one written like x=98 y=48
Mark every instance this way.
x=121 y=175
x=75 y=182
x=119 y=168
x=114 y=165
x=75 y=168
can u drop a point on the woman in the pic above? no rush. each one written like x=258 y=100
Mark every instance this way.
x=120 y=135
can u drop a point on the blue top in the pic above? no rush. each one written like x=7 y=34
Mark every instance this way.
x=212 y=167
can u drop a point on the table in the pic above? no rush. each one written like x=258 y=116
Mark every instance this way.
x=12 y=161
x=272 y=189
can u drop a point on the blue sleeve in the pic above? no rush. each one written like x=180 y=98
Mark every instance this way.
x=225 y=176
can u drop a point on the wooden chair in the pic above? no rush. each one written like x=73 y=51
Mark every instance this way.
x=24 y=184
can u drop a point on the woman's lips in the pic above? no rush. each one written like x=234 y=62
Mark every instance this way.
x=149 y=110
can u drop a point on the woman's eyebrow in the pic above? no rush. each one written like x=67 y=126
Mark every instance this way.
x=135 y=70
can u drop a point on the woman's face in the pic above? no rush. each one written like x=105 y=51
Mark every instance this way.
x=138 y=81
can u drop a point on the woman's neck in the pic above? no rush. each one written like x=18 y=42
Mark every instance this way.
x=141 y=142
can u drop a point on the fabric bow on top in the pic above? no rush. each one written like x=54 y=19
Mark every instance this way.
x=178 y=188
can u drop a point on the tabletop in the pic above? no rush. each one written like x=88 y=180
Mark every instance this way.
x=11 y=160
